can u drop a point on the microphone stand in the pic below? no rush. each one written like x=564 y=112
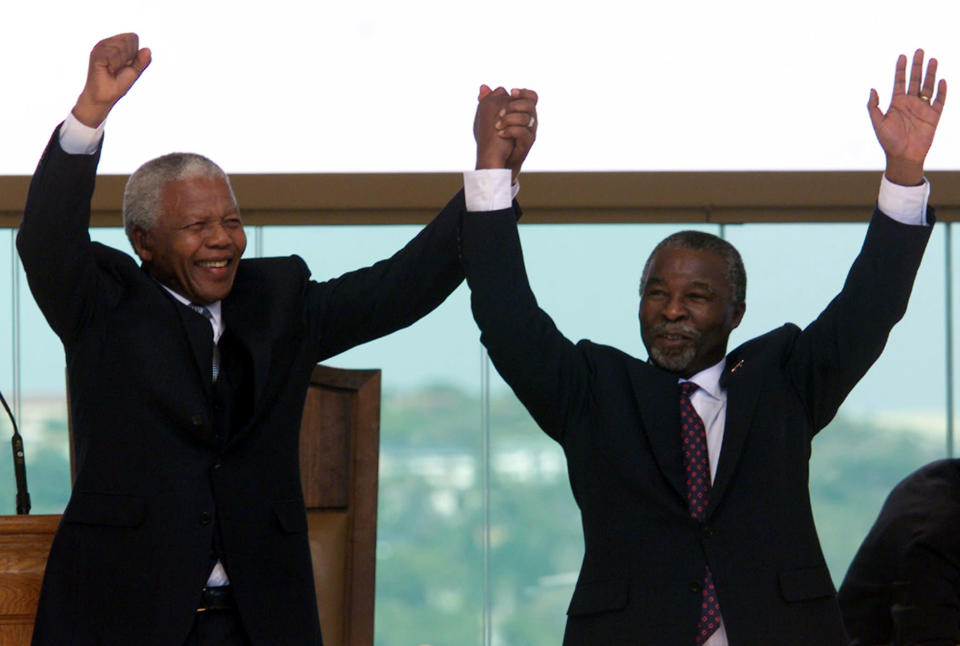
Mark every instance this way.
x=19 y=466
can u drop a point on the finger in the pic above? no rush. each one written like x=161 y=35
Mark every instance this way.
x=916 y=73
x=129 y=74
x=930 y=80
x=143 y=59
x=119 y=50
x=521 y=105
x=900 y=76
x=873 y=108
x=516 y=132
x=514 y=119
x=941 y=96
x=484 y=91
x=523 y=93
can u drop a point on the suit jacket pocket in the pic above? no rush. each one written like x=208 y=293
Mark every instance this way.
x=291 y=515
x=599 y=596
x=806 y=584
x=105 y=509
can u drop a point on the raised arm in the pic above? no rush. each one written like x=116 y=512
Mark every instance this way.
x=545 y=369
x=837 y=349
x=53 y=240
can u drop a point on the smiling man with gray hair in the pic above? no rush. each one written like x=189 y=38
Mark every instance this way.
x=186 y=524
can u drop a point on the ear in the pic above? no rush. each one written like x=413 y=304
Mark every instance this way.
x=738 y=311
x=143 y=244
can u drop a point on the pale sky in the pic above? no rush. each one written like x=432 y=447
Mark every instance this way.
x=293 y=86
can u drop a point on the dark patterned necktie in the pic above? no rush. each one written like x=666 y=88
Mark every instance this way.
x=215 y=362
x=696 y=463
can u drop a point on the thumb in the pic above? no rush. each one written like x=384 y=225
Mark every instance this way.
x=143 y=59
x=873 y=108
x=129 y=74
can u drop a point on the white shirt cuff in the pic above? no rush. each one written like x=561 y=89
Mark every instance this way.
x=78 y=139
x=489 y=189
x=905 y=204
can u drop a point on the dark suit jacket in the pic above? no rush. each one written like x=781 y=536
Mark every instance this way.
x=903 y=586
x=618 y=421
x=134 y=547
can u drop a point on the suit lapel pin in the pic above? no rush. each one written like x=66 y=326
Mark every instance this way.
x=736 y=366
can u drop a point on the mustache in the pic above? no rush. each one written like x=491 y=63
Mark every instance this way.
x=676 y=328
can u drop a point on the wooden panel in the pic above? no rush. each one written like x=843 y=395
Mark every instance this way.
x=329 y=542
x=24 y=544
x=325 y=438
x=587 y=197
x=340 y=439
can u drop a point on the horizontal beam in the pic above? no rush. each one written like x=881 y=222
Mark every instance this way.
x=414 y=198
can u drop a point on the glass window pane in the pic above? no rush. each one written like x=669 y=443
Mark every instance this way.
x=429 y=568
x=8 y=503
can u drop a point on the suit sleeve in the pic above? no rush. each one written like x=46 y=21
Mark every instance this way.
x=368 y=303
x=926 y=603
x=548 y=373
x=54 y=241
x=834 y=352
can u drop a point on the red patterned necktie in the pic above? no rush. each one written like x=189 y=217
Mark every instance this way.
x=696 y=462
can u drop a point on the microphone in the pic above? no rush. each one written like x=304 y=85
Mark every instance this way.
x=19 y=466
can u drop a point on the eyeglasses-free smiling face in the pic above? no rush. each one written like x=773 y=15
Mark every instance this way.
x=194 y=247
x=687 y=311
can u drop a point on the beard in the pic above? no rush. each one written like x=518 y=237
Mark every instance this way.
x=677 y=359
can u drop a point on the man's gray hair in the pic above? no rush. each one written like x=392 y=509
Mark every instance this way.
x=143 y=195
x=700 y=241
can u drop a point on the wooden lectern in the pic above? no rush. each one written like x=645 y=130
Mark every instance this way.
x=339 y=457
x=24 y=545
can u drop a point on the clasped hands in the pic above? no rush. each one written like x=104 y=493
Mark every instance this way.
x=505 y=127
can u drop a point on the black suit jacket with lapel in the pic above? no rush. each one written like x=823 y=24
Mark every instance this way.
x=134 y=547
x=617 y=419
x=903 y=587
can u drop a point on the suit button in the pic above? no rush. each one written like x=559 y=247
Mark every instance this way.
x=205 y=518
x=197 y=420
x=707 y=532
x=217 y=466
x=696 y=587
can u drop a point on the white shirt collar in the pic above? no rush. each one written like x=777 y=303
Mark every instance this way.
x=708 y=379
x=214 y=308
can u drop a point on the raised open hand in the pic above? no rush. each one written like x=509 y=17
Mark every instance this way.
x=906 y=130
x=115 y=65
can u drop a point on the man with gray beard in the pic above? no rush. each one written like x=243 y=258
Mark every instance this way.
x=691 y=469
